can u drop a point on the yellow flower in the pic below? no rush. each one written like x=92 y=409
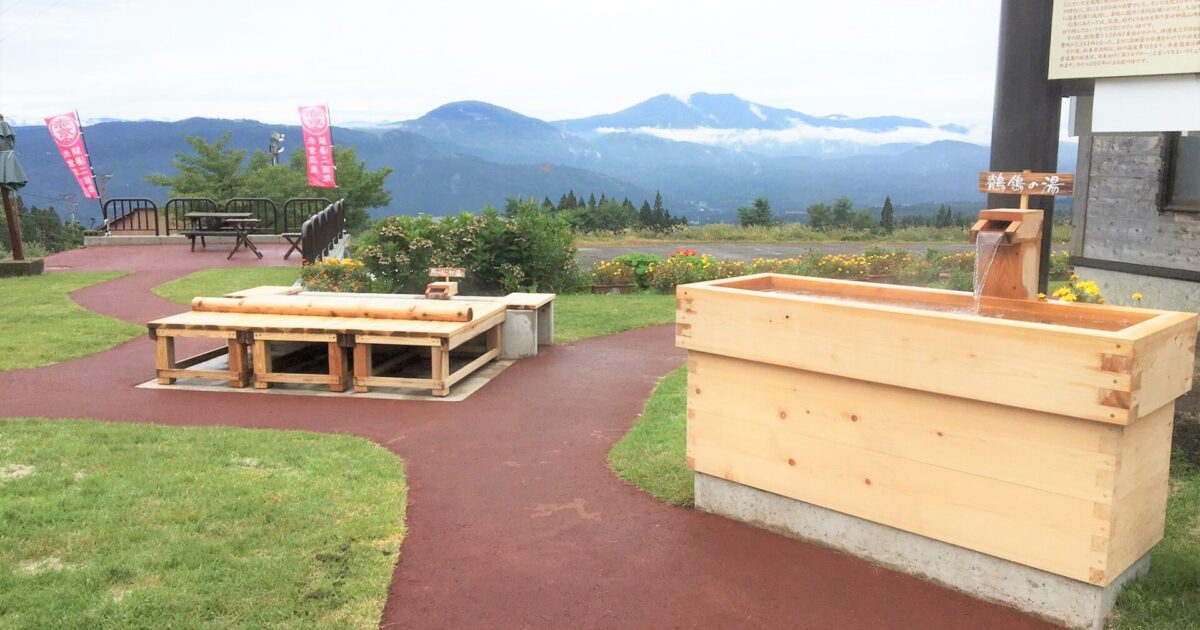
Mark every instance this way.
x=1137 y=296
x=1069 y=297
x=1074 y=277
x=1041 y=296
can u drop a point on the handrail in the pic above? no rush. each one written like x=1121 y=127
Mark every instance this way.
x=138 y=209
x=322 y=230
x=179 y=206
x=297 y=211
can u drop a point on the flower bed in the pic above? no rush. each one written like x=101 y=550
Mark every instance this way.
x=932 y=268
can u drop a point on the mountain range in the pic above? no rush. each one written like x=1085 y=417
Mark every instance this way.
x=707 y=153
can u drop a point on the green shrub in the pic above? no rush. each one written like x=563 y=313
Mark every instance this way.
x=640 y=263
x=532 y=250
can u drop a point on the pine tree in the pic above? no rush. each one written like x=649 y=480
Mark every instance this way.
x=572 y=202
x=602 y=198
x=757 y=214
x=547 y=204
x=646 y=215
x=562 y=203
x=592 y=201
x=887 y=217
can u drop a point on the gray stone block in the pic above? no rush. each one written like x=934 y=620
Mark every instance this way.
x=1060 y=599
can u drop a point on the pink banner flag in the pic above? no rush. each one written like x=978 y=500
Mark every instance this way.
x=68 y=135
x=318 y=146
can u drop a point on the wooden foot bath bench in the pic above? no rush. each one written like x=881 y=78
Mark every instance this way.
x=353 y=331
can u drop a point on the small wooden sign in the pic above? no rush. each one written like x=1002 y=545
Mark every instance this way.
x=447 y=272
x=1026 y=183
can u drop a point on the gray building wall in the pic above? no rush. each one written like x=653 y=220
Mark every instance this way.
x=1119 y=190
x=1121 y=218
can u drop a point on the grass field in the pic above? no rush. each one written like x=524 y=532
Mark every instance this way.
x=41 y=324
x=217 y=282
x=582 y=315
x=112 y=525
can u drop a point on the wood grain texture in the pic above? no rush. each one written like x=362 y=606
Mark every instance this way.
x=1047 y=367
x=420 y=310
x=1074 y=497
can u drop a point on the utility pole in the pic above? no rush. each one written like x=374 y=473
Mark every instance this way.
x=71 y=205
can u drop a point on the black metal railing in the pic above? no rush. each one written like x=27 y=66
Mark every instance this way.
x=130 y=214
x=297 y=211
x=259 y=208
x=322 y=230
x=136 y=214
x=175 y=210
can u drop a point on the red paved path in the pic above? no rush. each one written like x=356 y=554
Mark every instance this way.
x=515 y=520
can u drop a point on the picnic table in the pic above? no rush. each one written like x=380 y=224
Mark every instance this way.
x=239 y=224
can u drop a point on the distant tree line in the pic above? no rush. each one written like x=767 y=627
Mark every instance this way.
x=605 y=213
x=42 y=231
x=842 y=215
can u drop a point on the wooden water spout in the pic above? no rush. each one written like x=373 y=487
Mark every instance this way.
x=1014 y=267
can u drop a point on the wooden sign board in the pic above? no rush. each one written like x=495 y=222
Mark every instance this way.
x=447 y=272
x=1045 y=184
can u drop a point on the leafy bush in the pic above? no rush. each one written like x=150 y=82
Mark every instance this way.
x=530 y=250
x=1060 y=267
x=640 y=263
x=337 y=275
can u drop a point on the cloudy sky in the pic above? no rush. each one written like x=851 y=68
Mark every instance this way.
x=374 y=61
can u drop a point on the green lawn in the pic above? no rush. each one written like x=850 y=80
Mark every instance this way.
x=139 y=526
x=42 y=325
x=582 y=315
x=1168 y=598
x=652 y=456
x=217 y=282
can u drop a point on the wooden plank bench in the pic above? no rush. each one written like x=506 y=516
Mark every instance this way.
x=339 y=334
x=192 y=235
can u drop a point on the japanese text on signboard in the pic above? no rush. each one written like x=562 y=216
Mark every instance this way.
x=1026 y=183
x=318 y=146
x=68 y=139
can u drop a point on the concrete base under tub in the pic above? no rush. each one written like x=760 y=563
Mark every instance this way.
x=1063 y=600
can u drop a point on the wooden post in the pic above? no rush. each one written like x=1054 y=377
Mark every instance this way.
x=362 y=366
x=440 y=358
x=262 y=363
x=14 y=225
x=164 y=357
x=239 y=375
x=337 y=367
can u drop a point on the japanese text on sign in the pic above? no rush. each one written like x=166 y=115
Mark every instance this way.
x=1047 y=184
x=68 y=139
x=318 y=146
x=1117 y=38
